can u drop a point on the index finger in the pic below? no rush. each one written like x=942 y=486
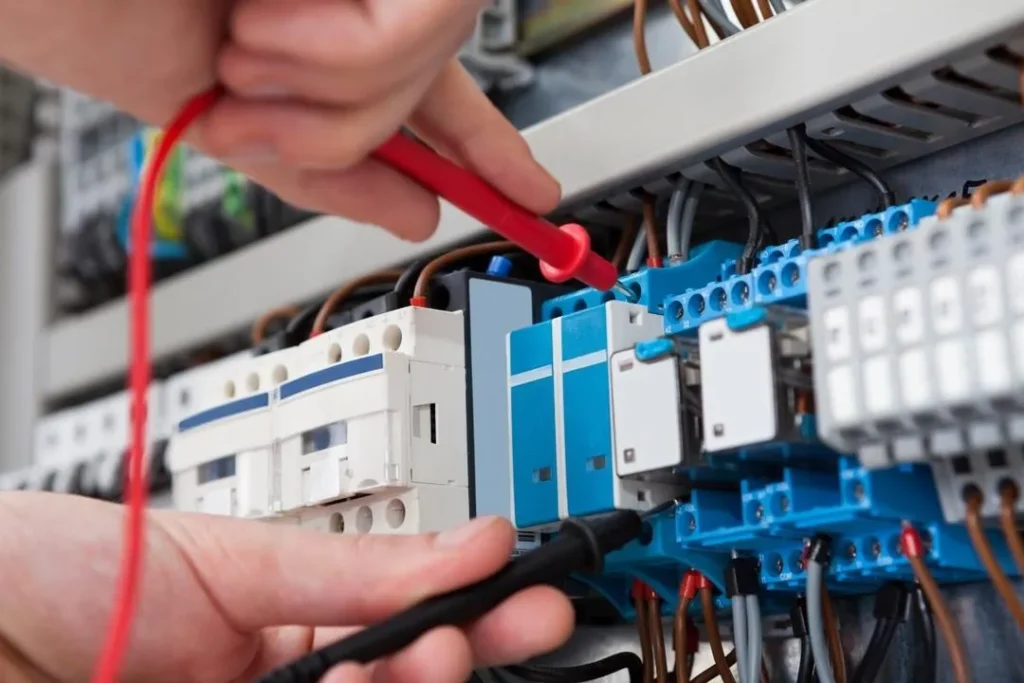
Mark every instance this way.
x=262 y=575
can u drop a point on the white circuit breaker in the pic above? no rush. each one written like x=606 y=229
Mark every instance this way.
x=359 y=430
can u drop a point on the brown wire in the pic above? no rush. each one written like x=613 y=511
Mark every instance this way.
x=651 y=228
x=684 y=21
x=679 y=637
x=625 y=244
x=946 y=207
x=707 y=601
x=835 y=644
x=982 y=194
x=988 y=558
x=645 y=640
x=765 y=675
x=259 y=328
x=697 y=13
x=345 y=291
x=640 y=37
x=766 y=9
x=1018 y=187
x=712 y=672
x=657 y=639
x=429 y=270
x=944 y=619
x=742 y=9
x=1008 y=520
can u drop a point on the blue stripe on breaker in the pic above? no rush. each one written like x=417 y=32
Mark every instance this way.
x=242 y=405
x=359 y=366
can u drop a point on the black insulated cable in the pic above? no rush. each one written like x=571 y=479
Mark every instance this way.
x=797 y=135
x=925 y=644
x=582 y=673
x=798 y=619
x=892 y=604
x=580 y=546
x=734 y=183
x=854 y=166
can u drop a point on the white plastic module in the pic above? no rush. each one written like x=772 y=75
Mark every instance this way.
x=423 y=509
x=380 y=407
x=646 y=424
x=221 y=456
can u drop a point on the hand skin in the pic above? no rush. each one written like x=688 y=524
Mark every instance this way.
x=221 y=597
x=313 y=86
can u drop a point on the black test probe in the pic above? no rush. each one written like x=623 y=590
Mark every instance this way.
x=580 y=546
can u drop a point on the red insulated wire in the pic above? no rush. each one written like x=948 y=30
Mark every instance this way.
x=128 y=580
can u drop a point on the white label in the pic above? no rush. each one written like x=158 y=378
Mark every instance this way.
x=909 y=313
x=837 y=329
x=872 y=325
x=842 y=394
x=952 y=368
x=986 y=295
x=879 y=397
x=994 y=373
x=1015 y=278
x=915 y=381
x=947 y=312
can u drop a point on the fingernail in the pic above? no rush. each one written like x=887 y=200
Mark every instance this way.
x=454 y=538
x=260 y=152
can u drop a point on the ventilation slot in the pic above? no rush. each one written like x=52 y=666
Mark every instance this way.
x=851 y=116
x=900 y=96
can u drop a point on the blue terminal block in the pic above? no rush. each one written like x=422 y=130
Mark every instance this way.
x=651 y=286
x=560 y=415
x=660 y=563
x=781 y=274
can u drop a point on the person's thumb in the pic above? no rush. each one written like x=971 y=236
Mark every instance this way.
x=265 y=575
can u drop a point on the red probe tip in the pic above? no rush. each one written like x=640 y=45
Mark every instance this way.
x=580 y=263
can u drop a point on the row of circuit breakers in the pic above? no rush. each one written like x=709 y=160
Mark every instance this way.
x=842 y=389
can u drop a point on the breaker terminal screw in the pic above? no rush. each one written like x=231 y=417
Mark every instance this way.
x=743 y=292
x=903 y=223
x=777 y=566
x=758 y=513
x=851 y=552
x=784 y=503
x=876 y=548
x=770 y=283
x=858 y=491
x=692 y=524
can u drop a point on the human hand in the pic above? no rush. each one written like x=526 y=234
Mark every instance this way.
x=226 y=600
x=313 y=87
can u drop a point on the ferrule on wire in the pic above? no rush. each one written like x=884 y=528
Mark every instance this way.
x=690 y=584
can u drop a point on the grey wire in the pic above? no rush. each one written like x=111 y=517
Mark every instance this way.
x=778 y=5
x=816 y=623
x=639 y=250
x=755 y=638
x=689 y=218
x=716 y=13
x=675 y=215
x=739 y=636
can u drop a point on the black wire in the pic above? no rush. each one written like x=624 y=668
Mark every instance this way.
x=805 y=674
x=855 y=166
x=734 y=183
x=924 y=640
x=408 y=277
x=623 y=661
x=878 y=648
x=797 y=136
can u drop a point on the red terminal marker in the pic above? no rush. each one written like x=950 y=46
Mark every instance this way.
x=690 y=584
x=910 y=541
x=639 y=591
x=704 y=582
x=564 y=252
